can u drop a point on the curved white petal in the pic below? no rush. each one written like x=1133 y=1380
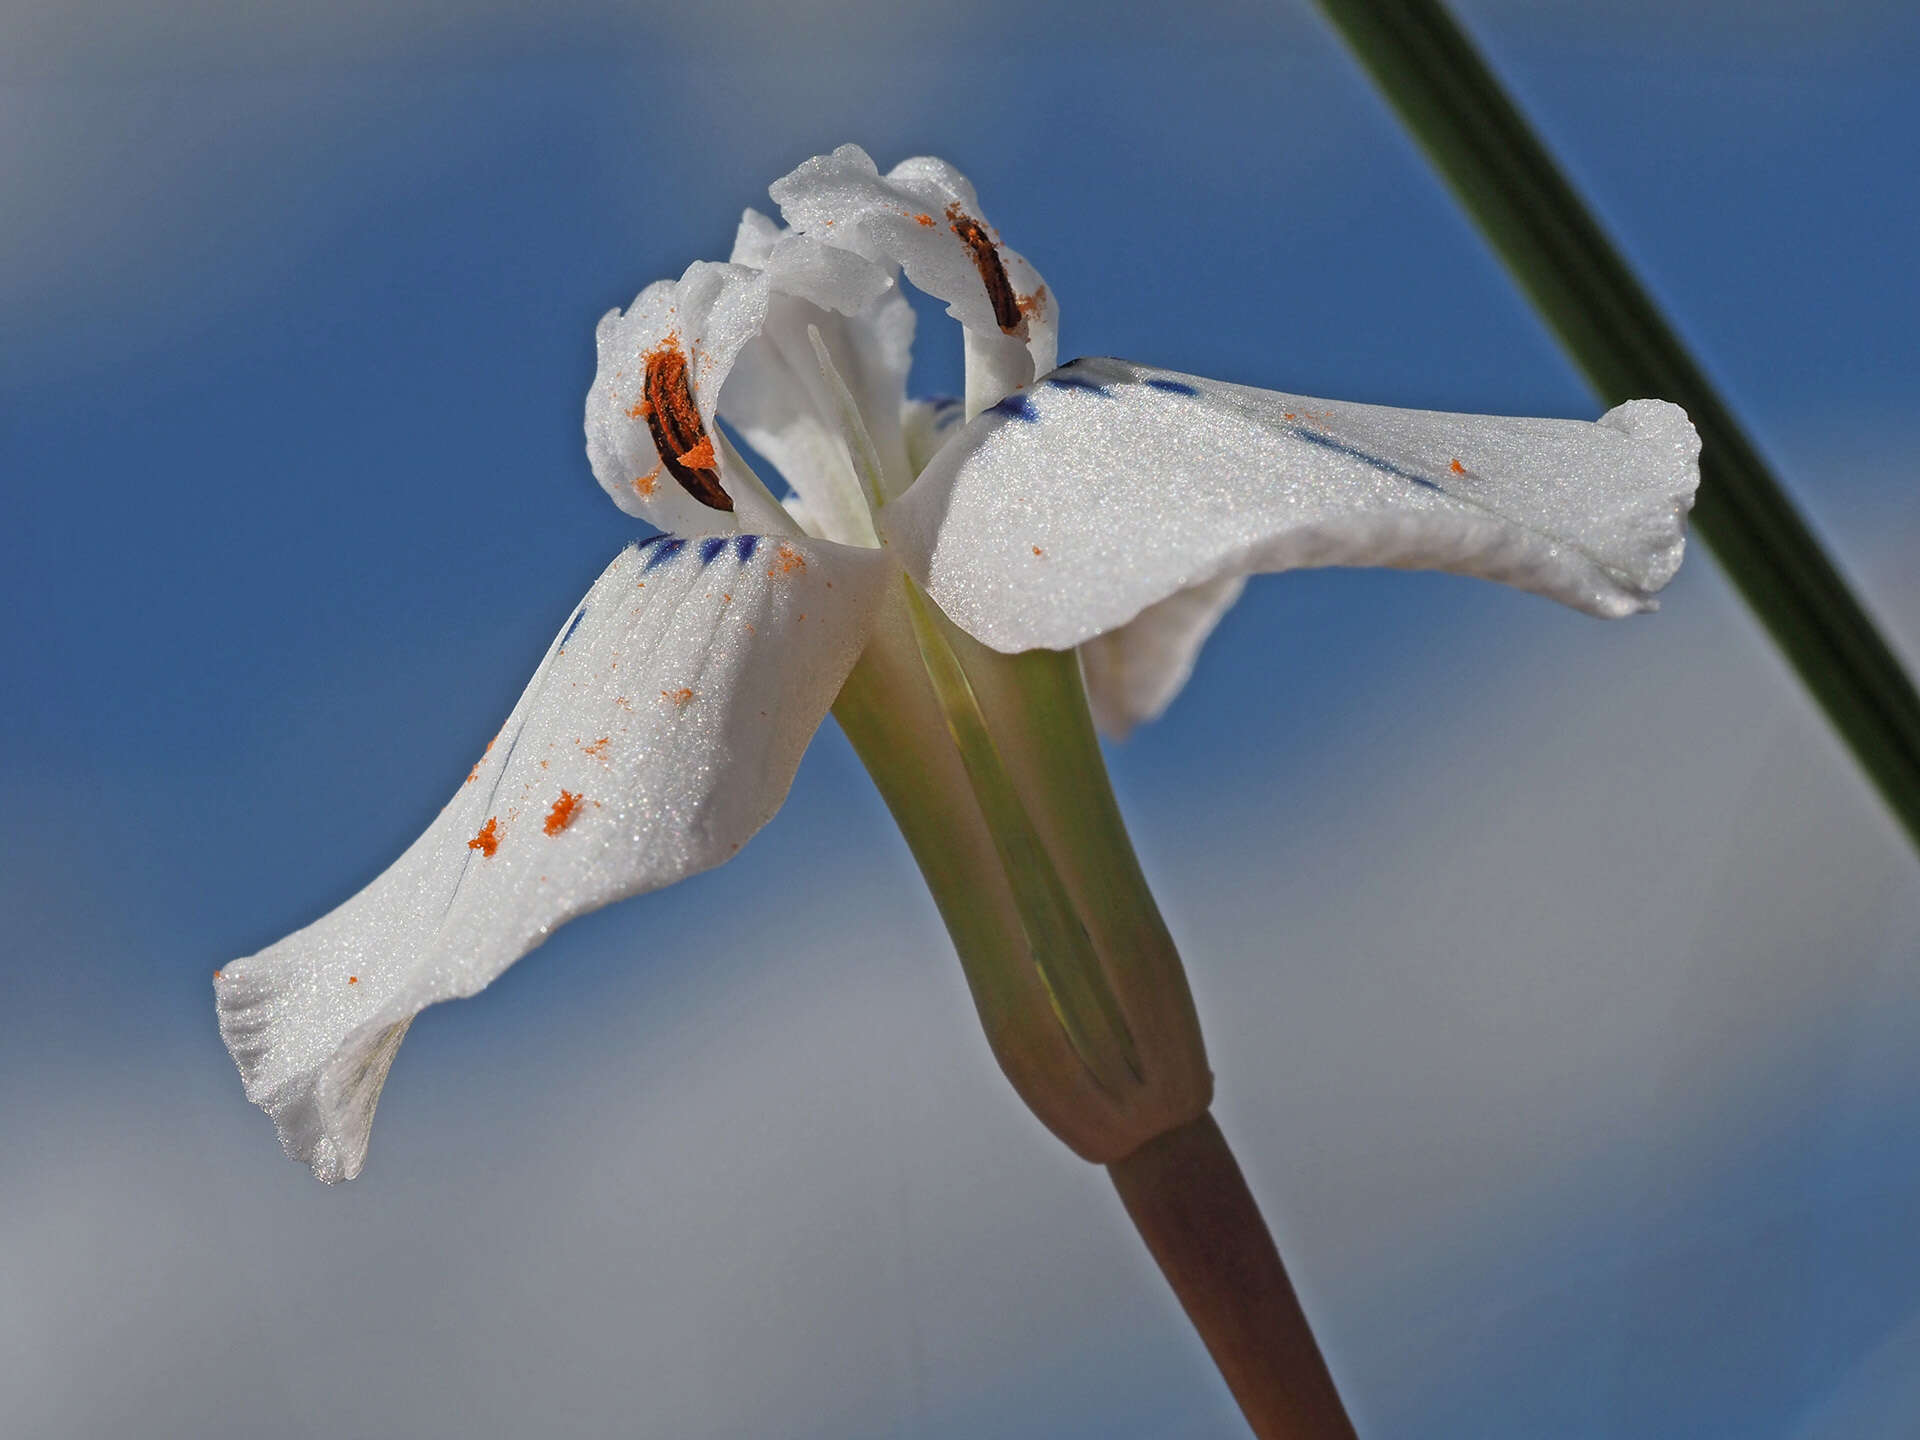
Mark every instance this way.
x=661 y=731
x=1069 y=509
x=675 y=344
x=1133 y=673
x=776 y=396
x=924 y=216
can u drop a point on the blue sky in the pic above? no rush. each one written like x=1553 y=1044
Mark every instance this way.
x=1559 y=976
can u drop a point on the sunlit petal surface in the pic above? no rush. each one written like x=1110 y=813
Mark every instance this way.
x=1068 y=510
x=661 y=730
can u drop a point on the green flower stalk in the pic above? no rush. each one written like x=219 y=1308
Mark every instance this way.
x=968 y=585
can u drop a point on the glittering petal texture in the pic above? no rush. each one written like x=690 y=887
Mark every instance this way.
x=662 y=730
x=706 y=315
x=776 y=396
x=1070 y=508
x=1133 y=673
x=924 y=216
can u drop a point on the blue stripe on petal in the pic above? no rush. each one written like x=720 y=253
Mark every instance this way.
x=710 y=547
x=1172 y=387
x=744 y=546
x=650 y=542
x=1076 y=382
x=1340 y=447
x=573 y=625
x=1019 y=406
x=673 y=546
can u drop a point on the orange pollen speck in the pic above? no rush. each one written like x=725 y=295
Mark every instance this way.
x=216 y=974
x=353 y=979
x=644 y=485
x=640 y=410
x=598 y=748
x=562 y=813
x=926 y=220
x=1035 y=303
x=700 y=457
x=488 y=840
x=678 y=697
x=786 y=560
x=1457 y=468
x=1038 y=551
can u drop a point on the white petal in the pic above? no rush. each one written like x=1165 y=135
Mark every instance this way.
x=1134 y=672
x=661 y=731
x=927 y=423
x=1070 y=508
x=924 y=216
x=776 y=396
x=704 y=318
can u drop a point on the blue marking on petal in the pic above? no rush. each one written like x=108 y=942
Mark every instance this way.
x=1077 y=382
x=710 y=547
x=573 y=625
x=674 y=545
x=744 y=546
x=650 y=542
x=1340 y=447
x=1019 y=406
x=1172 y=387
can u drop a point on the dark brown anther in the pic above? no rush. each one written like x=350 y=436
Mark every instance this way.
x=678 y=435
x=993 y=275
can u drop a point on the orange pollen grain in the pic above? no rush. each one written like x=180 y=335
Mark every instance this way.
x=562 y=813
x=1457 y=468
x=700 y=457
x=1038 y=551
x=216 y=974
x=640 y=410
x=353 y=979
x=488 y=840
x=1035 y=303
x=678 y=697
x=926 y=220
x=786 y=560
x=598 y=748
x=644 y=485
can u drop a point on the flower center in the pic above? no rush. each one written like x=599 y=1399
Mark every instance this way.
x=678 y=435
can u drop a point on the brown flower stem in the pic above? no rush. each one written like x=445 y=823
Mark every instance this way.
x=1190 y=1203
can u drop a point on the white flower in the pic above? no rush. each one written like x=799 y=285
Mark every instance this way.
x=1101 y=505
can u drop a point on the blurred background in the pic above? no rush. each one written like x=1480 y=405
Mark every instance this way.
x=1560 y=977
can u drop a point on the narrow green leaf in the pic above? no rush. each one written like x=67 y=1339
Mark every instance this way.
x=1501 y=172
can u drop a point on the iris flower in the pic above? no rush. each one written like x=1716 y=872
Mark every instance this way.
x=944 y=575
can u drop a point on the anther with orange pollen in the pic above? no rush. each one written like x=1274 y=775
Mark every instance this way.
x=678 y=432
x=993 y=274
